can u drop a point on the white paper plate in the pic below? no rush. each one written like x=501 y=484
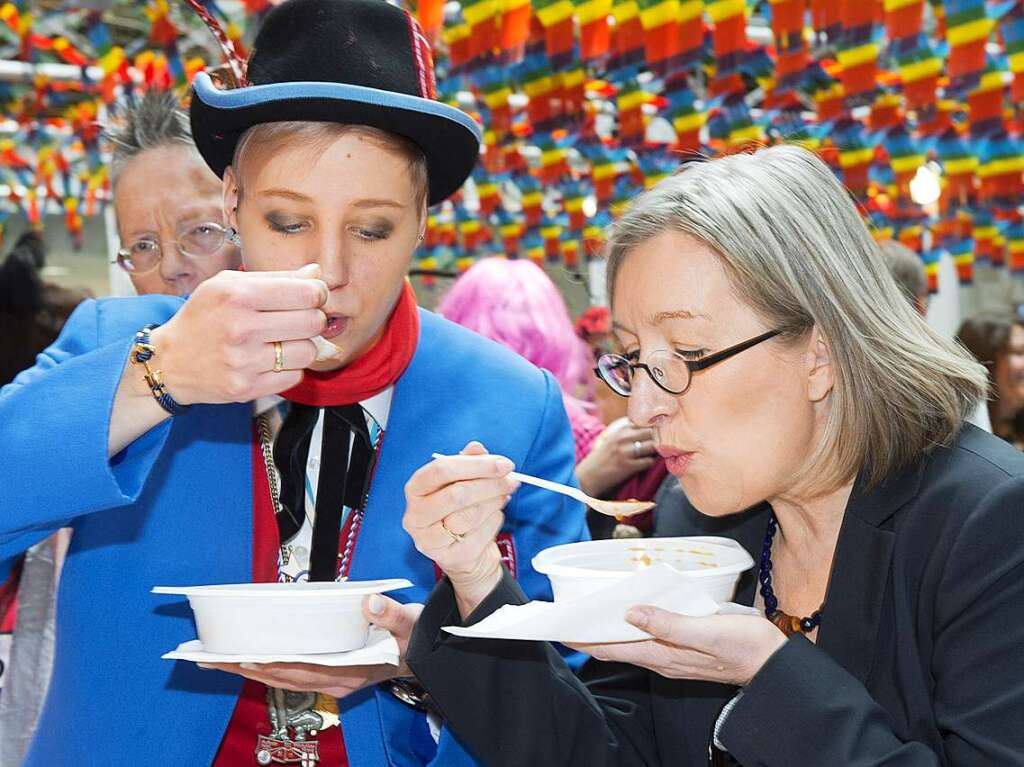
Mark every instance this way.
x=599 y=616
x=299 y=590
x=381 y=649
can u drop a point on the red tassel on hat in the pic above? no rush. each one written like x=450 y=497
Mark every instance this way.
x=234 y=60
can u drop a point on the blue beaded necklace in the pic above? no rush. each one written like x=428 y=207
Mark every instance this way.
x=788 y=624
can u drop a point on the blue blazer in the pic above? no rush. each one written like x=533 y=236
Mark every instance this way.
x=175 y=508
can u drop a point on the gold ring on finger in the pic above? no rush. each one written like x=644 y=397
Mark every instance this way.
x=637 y=447
x=278 y=356
x=456 y=537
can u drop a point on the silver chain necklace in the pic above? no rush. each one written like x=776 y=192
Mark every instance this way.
x=266 y=448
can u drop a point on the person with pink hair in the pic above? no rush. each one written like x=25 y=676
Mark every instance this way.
x=515 y=303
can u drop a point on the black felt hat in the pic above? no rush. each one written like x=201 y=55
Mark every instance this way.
x=363 y=62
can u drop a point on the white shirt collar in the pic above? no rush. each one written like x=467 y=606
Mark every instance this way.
x=378 y=406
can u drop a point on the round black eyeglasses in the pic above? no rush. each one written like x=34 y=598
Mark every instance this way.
x=669 y=370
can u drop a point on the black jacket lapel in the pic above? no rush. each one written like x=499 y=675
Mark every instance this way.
x=862 y=568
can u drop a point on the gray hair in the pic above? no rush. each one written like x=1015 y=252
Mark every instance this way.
x=154 y=120
x=798 y=252
x=906 y=268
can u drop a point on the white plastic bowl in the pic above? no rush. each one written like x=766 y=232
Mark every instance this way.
x=285 y=618
x=575 y=569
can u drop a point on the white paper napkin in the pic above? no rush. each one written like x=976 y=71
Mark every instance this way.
x=381 y=648
x=600 y=616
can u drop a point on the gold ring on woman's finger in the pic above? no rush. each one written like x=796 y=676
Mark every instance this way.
x=456 y=537
x=278 y=356
x=637 y=447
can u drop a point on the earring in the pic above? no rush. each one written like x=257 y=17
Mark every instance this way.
x=232 y=237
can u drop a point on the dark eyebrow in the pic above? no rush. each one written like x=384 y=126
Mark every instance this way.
x=369 y=202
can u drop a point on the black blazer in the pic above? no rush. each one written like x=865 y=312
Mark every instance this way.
x=919 y=658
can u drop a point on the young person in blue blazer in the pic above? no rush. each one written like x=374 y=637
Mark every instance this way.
x=214 y=441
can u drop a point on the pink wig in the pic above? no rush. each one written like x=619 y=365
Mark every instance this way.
x=516 y=304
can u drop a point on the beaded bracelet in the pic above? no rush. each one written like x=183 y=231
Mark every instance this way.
x=142 y=352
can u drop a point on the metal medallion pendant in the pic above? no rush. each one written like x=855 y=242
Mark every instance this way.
x=296 y=719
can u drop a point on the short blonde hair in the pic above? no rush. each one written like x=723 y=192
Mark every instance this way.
x=799 y=254
x=317 y=136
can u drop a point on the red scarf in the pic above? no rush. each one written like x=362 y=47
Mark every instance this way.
x=372 y=373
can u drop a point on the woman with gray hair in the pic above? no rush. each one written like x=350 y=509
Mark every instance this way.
x=168 y=202
x=811 y=415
